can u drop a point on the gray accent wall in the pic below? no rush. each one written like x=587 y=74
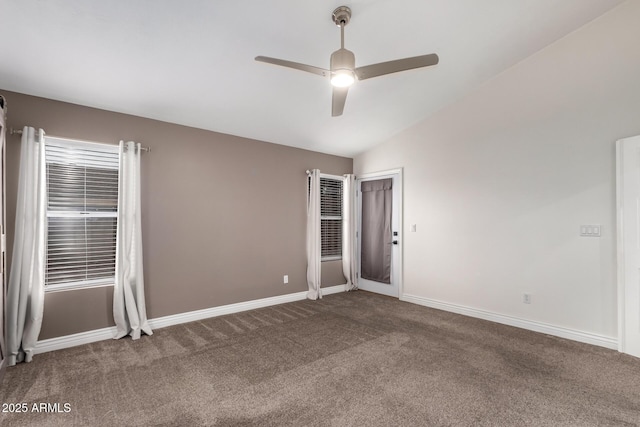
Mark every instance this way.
x=223 y=217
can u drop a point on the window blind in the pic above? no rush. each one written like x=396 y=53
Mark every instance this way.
x=82 y=209
x=331 y=218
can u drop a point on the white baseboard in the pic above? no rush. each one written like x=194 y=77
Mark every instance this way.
x=333 y=290
x=545 y=328
x=191 y=316
x=73 y=340
x=88 y=337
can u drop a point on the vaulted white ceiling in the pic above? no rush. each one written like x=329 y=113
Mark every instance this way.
x=192 y=62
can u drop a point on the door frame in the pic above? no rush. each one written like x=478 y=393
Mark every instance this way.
x=3 y=241
x=397 y=268
x=627 y=189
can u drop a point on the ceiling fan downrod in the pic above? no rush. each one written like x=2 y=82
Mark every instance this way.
x=341 y=17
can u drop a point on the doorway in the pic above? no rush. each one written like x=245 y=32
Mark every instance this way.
x=3 y=291
x=628 y=224
x=379 y=235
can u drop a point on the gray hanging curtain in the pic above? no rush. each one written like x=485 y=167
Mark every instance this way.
x=375 y=257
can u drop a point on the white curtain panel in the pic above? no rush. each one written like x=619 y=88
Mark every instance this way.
x=349 y=232
x=314 y=243
x=25 y=292
x=129 y=311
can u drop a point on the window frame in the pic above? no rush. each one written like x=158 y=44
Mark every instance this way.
x=341 y=217
x=91 y=283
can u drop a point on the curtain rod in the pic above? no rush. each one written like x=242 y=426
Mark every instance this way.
x=13 y=131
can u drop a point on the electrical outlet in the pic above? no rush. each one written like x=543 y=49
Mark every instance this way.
x=285 y=280
x=526 y=298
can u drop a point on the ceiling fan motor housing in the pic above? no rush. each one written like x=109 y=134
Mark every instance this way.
x=343 y=59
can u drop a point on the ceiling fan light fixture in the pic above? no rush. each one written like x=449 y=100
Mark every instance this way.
x=343 y=72
x=342 y=78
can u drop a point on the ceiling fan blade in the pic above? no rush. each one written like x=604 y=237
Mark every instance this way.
x=295 y=65
x=382 y=68
x=338 y=100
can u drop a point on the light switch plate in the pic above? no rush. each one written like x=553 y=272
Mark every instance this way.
x=593 y=230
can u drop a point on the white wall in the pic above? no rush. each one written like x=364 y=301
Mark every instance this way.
x=499 y=182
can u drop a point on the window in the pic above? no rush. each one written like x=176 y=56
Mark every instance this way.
x=82 y=210
x=331 y=217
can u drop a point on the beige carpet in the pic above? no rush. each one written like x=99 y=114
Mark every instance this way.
x=352 y=359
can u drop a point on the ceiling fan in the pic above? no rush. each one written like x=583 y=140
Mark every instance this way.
x=343 y=71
